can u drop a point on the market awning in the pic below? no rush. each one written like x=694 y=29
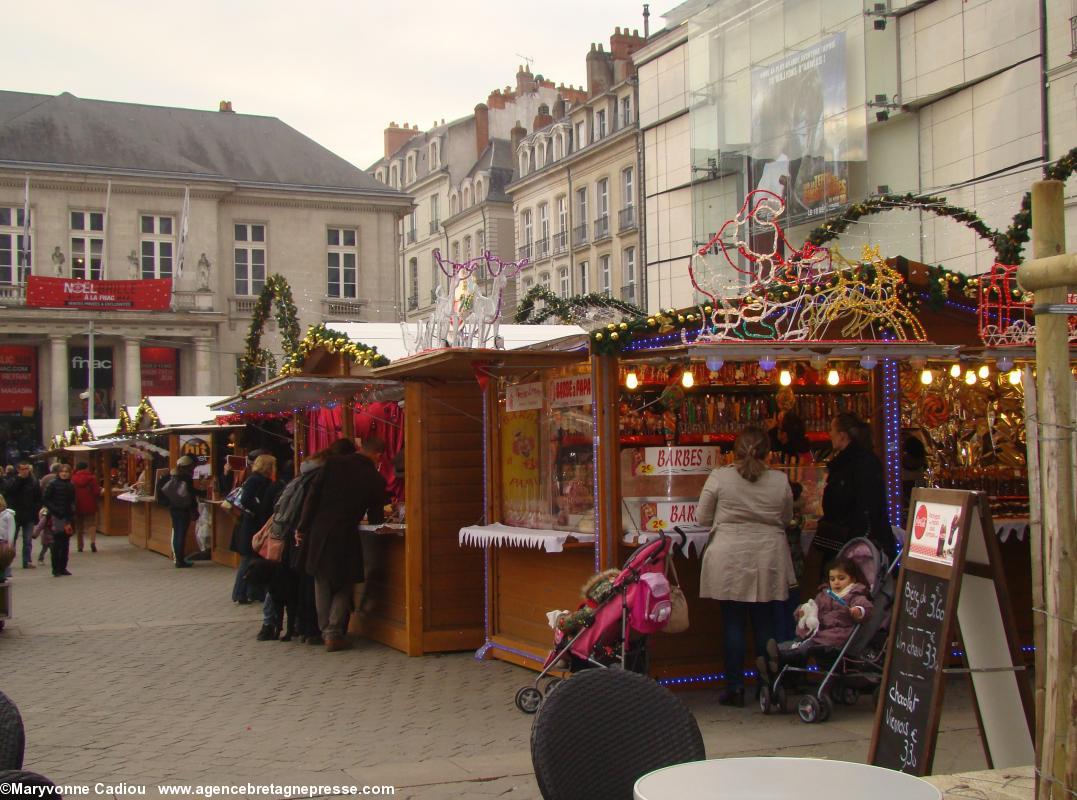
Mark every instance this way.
x=389 y=337
x=297 y=392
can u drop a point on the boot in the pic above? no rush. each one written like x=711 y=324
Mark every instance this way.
x=267 y=633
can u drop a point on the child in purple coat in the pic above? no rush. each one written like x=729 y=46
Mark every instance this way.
x=841 y=604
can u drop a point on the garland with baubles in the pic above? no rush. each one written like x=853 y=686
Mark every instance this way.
x=566 y=309
x=1009 y=245
x=255 y=357
x=319 y=336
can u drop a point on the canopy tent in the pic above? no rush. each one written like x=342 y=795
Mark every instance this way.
x=390 y=339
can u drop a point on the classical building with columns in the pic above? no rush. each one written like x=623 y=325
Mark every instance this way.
x=110 y=188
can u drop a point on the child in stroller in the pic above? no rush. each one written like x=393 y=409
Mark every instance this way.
x=610 y=628
x=842 y=631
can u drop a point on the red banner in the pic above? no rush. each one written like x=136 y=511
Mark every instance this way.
x=18 y=378
x=159 y=371
x=147 y=295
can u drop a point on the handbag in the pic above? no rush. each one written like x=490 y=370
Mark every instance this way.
x=678 y=615
x=232 y=504
x=266 y=545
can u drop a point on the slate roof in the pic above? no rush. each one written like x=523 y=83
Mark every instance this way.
x=66 y=131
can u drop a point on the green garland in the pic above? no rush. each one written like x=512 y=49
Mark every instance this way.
x=908 y=202
x=255 y=356
x=616 y=335
x=335 y=342
x=1009 y=245
x=565 y=308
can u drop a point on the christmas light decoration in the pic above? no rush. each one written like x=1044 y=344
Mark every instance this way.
x=833 y=378
x=927 y=377
x=1015 y=377
x=970 y=377
x=955 y=371
x=319 y=336
x=632 y=380
x=784 y=378
x=688 y=380
x=255 y=358
x=714 y=363
x=983 y=371
x=767 y=363
x=868 y=362
x=1004 y=364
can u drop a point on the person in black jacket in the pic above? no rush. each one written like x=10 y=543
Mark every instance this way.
x=60 y=503
x=181 y=513
x=259 y=495
x=23 y=496
x=345 y=489
x=854 y=499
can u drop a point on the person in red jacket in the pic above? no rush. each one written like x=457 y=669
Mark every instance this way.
x=87 y=490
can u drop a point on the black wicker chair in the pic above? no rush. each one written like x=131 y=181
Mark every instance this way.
x=18 y=777
x=12 y=735
x=597 y=733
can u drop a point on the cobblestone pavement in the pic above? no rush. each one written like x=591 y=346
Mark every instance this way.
x=133 y=672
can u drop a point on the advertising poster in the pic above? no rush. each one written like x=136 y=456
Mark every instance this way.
x=936 y=528
x=675 y=460
x=521 y=490
x=665 y=515
x=523 y=397
x=572 y=391
x=18 y=379
x=144 y=295
x=799 y=106
x=196 y=446
x=78 y=378
x=160 y=371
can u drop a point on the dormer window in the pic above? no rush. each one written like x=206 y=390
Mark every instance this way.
x=380 y=176
x=394 y=174
x=467 y=197
x=410 y=170
x=600 y=124
x=434 y=155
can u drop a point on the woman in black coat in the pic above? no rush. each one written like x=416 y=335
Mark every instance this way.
x=259 y=495
x=59 y=501
x=854 y=499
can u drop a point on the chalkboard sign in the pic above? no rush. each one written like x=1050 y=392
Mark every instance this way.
x=908 y=698
x=950 y=533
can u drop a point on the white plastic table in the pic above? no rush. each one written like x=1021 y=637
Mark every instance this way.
x=780 y=779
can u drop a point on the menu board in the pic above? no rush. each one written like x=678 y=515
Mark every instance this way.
x=919 y=648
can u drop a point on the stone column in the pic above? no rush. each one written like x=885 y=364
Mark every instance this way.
x=132 y=371
x=57 y=418
x=203 y=373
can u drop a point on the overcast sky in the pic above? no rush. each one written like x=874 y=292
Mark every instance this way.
x=337 y=70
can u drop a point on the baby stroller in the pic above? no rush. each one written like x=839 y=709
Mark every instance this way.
x=615 y=636
x=857 y=666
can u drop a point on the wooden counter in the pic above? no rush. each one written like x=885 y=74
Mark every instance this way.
x=221 y=535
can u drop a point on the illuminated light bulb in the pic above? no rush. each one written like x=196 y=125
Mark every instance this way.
x=970 y=377
x=767 y=363
x=983 y=371
x=833 y=378
x=714 y=363
x=869 y=362
x=631 y=380
x=926 y=377
x=785 y=379
x=955 y=371
x=688 y=380
x=1015 y=377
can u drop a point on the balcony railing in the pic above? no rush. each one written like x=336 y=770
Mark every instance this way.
x=412 y=235
x=560 y=242
x=542 y=248
x=626 y=218
x=342 y=308
x=12 y=294
x=579 y=235
x=602 y=227
x=435 y=225
x=525 y=251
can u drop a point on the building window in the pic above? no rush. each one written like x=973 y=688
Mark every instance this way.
x=467 y=248
x=16 y=254
x=434 y=215
x=562 y=279
x=456 y=251
x=544 y=279
x=434 y=155
x=626 y=111
x=581 y=135
x=628 y=193
x=562 y=214
x=343 y=256
x=602 y=201
x=87 y=245
x=413 y=284
x=467 y=198
x=435 y=280
x=528 y=284
x=604 y=274
x=478 y=192
x=525 y=226
x=544 y=229
x=585 y=278
x=250 y=258
x=557 y=147
x=409 y=172
x=156 y=245
x=628 y=268
x=579 y=235
x=600 y=124
x=394 y=175
x=482 y=242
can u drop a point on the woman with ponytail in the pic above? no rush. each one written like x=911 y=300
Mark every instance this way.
x=746 y=566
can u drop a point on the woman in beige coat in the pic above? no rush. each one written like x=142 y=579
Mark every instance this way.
x=747 y=565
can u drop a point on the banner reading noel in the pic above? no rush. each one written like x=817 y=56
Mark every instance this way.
x=148 y=295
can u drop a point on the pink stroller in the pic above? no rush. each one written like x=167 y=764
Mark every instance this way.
x=615 y=634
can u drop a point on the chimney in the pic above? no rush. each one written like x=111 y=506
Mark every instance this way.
x=542 y=118
x=226 y=107
x=525 y=81
x=482 y=128
x=559 y=107
x=516 y=135
x=396 y=137
x=599 y=71
x=622 y=45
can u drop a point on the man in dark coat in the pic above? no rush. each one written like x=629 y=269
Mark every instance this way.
x=854 y=499
x=23 y=496
x=346 y=489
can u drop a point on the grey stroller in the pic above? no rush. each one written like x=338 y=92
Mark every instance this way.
x=853 y=669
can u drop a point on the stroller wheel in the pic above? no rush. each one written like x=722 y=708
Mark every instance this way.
x=528 y=699
x=553 y=684
x=849 y=695
x=808 y=709
x=826 y=708
x=766 y=699
x=781 y=700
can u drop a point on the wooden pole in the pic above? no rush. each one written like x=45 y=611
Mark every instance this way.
x=607 y=458
x=1049 y=275
x=1035 y=493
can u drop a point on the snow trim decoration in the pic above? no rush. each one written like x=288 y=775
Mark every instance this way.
x=499 y=535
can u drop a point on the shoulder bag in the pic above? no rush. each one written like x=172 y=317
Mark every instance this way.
x=678 y=615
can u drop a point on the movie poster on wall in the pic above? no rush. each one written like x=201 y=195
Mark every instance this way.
x=799 y=136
